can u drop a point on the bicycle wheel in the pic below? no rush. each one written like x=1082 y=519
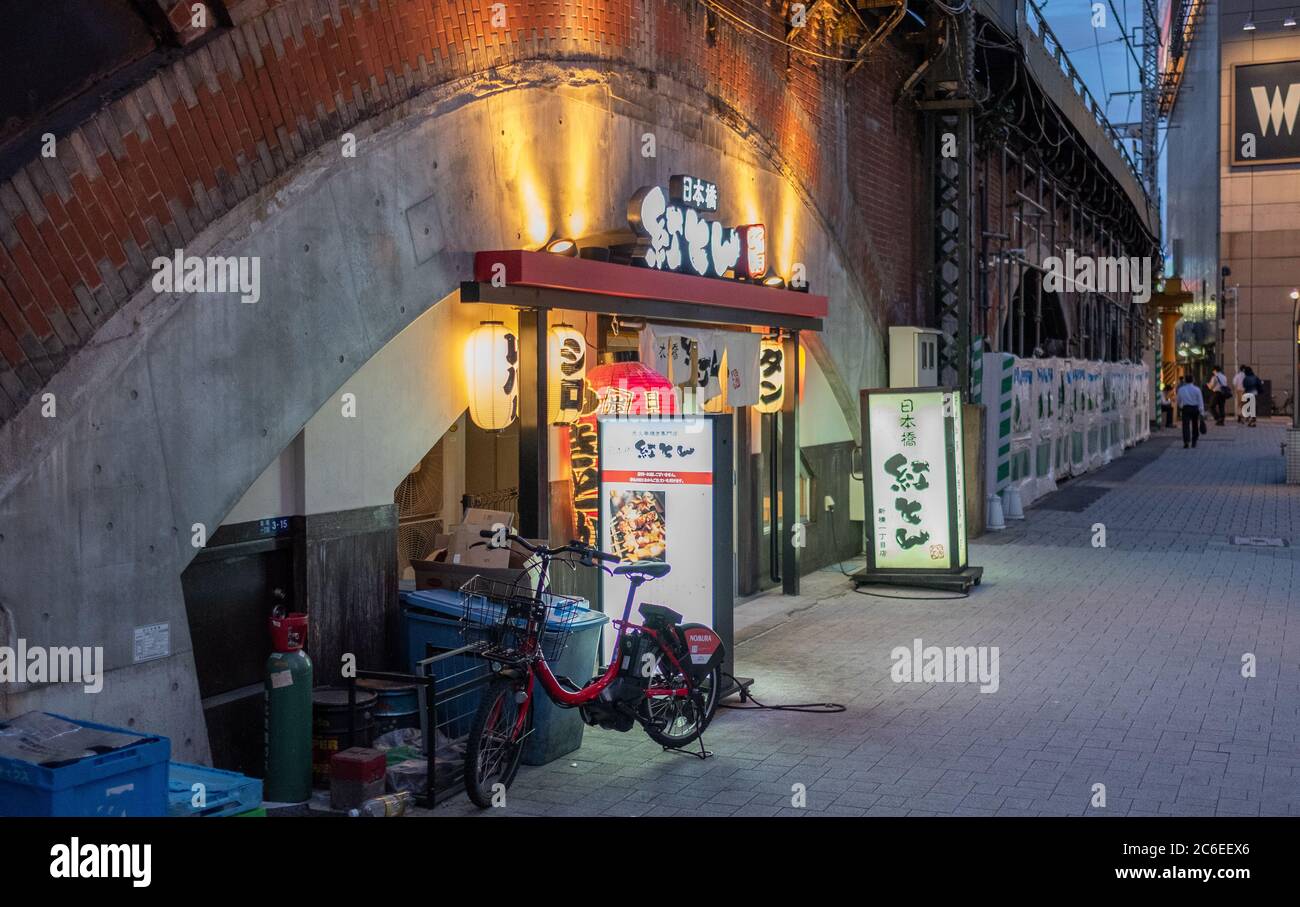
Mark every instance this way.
x=496 y=741
x=674 y=721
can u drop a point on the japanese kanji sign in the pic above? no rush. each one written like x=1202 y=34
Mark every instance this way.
x=681 y=237
x=914 y=479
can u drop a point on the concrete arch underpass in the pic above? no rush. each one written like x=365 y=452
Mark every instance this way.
x=183 y=400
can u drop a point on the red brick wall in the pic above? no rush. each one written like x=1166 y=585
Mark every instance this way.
x=154 y=167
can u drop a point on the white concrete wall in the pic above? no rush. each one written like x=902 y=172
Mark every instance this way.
x=406 y=396
x=821 y=420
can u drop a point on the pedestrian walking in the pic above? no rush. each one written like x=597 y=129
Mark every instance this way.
x=1220 y=389
x=1167 y=405
x=1191 y=406
x=1237 y=381
x=1251 y=385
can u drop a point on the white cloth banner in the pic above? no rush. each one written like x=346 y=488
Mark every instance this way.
x=742 y=368
x=727 y=358
x=667 y=350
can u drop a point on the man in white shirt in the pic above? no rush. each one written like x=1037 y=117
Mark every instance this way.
x=1239 y=388
x=1219 y=390
x=1191 y=404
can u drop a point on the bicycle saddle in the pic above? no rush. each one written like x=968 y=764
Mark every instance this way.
x=659 y=614
x=649 y=571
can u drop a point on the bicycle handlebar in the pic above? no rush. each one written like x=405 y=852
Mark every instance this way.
x=586 y=551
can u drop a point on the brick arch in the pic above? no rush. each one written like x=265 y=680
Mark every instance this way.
x=183 y=400
x=230 y=119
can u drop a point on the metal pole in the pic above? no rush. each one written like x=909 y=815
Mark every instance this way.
x=791 y=545
x=1295 y=365
x=1236 y=333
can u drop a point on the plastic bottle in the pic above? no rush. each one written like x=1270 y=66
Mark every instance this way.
x=387 y=805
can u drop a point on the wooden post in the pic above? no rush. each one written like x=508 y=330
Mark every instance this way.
x=534 y=466
x=790 y=551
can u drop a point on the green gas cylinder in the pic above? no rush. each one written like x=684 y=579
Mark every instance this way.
x=288 y=714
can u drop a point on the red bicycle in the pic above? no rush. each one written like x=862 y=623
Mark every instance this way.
x=663 y=674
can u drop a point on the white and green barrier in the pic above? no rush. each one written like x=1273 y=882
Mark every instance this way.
x=1050 y=419
x=996 y=383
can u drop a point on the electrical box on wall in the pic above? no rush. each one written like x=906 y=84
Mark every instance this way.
x=913 y=357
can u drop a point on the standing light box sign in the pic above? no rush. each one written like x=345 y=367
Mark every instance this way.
x=915 y=487
x=657 y=505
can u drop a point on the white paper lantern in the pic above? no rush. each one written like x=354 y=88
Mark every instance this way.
x=492 y=372
x=566 y=373
x=771 y=376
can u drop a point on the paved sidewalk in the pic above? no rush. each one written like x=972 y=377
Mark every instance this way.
x=1119 y=666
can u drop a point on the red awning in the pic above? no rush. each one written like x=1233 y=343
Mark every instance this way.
x=548 y=271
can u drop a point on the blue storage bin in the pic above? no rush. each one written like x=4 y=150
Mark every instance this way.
x=558 y=731
x=128 y=781
x=225 y=793
x=434 y=617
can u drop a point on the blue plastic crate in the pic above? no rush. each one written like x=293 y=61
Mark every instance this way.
x=224 y=793
x=129 y=781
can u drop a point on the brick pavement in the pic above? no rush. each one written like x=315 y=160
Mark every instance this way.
x=1118 y=666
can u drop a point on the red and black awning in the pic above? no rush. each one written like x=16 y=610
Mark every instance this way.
x=542 y=280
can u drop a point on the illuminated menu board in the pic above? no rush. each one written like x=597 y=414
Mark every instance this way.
x=657 y=505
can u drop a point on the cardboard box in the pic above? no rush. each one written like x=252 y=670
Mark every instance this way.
x=441 y=575
x=466 y=545
x=440 y=572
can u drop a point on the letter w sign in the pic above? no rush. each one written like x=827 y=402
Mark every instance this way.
x=1266 y=113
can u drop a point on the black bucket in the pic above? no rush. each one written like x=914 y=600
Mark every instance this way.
x=329 y=727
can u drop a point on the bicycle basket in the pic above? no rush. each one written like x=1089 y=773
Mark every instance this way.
x=499 y=612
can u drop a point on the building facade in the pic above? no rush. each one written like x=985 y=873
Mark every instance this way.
x=1234 y=190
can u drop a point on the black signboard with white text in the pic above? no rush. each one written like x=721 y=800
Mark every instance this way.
x=1265 y=103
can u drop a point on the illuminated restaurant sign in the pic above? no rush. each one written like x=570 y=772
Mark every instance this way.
x=683 y=239
x=914 y=480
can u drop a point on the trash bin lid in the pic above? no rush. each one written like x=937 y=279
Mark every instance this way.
x=442 y=602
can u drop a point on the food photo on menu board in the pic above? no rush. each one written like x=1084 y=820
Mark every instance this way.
x=638 y=525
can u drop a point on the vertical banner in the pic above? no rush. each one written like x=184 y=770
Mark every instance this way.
x=914 y=480
x=665 y=497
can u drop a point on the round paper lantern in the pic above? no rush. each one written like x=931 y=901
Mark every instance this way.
x=618 y=388
x=566 y=371
x=631 y=389
x=771 y=376
x=492 y=370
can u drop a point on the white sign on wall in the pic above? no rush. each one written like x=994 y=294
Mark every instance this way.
x=656 y=506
